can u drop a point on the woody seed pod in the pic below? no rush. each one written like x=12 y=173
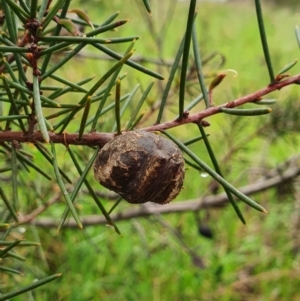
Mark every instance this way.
x=141 y=167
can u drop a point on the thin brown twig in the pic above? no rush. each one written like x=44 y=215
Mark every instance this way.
x=91 y=139
x=31 y=216
x=99 y=139
x=274 y=178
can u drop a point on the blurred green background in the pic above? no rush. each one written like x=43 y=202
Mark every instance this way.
x=164 y=258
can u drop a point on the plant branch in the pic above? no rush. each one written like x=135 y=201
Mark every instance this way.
x=91 y=139
x=99 y=139
x=31 y=216
x=288 y=171
x=197 y=117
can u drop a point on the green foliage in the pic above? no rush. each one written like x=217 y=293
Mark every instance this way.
x=56 y=114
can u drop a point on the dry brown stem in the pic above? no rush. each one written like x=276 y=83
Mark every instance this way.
x=99 y=139
x=288 y=171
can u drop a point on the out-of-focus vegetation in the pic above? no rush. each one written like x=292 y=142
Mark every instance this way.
x=169 y=257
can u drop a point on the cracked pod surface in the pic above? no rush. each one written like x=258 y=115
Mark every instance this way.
x=141 y=167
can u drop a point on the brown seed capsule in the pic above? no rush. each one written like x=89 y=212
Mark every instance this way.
x=141 y=167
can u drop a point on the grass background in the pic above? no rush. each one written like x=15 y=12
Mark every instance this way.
x=259 y=261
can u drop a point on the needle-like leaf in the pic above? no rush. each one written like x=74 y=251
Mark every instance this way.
x=218 y=170
x=30 y=287
x=263 y=38
x=199 y=67
x=91 y=191
x=246 y=112
x=216 y=176
x=117 y=106
x=38 y=109
x=139 y=105
x=185 y=56
x=63 y=188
